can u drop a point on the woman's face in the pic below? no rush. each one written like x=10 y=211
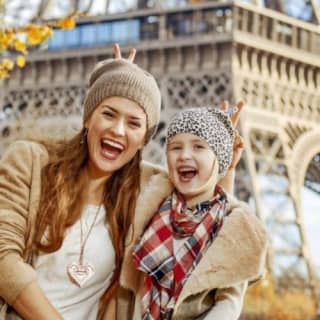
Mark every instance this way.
x=116 y=131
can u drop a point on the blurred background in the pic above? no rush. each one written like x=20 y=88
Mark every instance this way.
x=266 y=52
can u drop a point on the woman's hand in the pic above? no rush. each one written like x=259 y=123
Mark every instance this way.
x=238 y=144
x=117 y=52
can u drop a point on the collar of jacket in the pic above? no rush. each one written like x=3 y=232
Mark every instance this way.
x=237 y=254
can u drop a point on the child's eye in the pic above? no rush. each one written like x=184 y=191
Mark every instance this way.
x=135 y=124
x=199 y=146
x=175 y=148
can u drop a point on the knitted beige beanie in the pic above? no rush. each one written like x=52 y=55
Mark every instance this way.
x=122 y=78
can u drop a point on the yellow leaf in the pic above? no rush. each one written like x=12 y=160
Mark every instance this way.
x=21 y=61
x=47 y=31
x=34 y=40
x=67 y=23
x=7 y=64
x=10 y=35
x=37 y=34
x=4 y=40
x=34 y=34
x=3 y=73
x=19 y=45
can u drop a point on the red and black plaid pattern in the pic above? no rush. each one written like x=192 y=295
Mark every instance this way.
x=166 y=271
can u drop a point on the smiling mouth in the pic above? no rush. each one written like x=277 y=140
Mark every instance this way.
x=186 y=174
x=111 y=149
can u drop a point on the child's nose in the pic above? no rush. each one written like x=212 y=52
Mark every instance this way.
x=185 y=153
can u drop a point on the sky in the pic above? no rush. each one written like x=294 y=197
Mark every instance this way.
x=311 y=209
x=276 y=204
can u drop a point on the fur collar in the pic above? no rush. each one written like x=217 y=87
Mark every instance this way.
x=236 y=255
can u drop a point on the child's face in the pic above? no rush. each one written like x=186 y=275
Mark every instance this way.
x=190 y=162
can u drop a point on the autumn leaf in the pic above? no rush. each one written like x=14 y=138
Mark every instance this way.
x=47 y=32
x=37 y=34
x=66 y=23
x=34 y=36
x=21 y=61
x=4 y=73
x=19 y=45
x=19 y=39
x=4 y=40
x=7 y=64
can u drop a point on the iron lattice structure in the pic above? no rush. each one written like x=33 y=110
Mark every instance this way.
x=202 y=55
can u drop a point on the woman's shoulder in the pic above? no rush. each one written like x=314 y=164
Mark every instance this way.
x=25 y=151
x=26 y=147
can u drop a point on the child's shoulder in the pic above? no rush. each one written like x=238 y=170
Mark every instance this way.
x=241 y=217
x=235 y=203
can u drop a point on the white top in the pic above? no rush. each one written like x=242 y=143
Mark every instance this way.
x=70 y=300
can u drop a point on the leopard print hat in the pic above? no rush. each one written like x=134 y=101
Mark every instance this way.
x=210 y=124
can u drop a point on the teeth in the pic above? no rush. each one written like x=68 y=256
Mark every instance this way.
x=186 y=169
x=113 y=144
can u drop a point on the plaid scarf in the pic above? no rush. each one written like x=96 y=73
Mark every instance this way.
x=166 y=271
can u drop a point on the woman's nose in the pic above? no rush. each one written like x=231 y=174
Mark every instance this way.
x=119 y=127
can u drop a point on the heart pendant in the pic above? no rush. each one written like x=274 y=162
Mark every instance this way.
x=80 y=273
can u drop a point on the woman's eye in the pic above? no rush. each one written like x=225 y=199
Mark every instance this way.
x=108 y=114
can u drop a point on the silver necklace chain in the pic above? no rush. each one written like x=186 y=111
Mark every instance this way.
x=84 y=242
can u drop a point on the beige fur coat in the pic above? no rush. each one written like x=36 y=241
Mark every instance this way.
x=237 y=255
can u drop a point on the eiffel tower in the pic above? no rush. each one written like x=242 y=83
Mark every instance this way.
x=202 y=54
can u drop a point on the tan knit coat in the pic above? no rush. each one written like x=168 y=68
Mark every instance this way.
x=20 y=187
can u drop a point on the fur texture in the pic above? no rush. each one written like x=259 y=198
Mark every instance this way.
x=237 y=255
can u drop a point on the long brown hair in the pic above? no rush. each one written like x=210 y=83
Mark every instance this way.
x=60 y=205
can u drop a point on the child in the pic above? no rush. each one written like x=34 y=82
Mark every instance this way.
x=202 y=246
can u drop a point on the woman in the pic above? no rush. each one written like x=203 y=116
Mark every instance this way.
x=66 y=207
x=54 y=198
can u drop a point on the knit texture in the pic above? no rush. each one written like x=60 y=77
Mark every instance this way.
x=210 y=124
x=120 y=77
